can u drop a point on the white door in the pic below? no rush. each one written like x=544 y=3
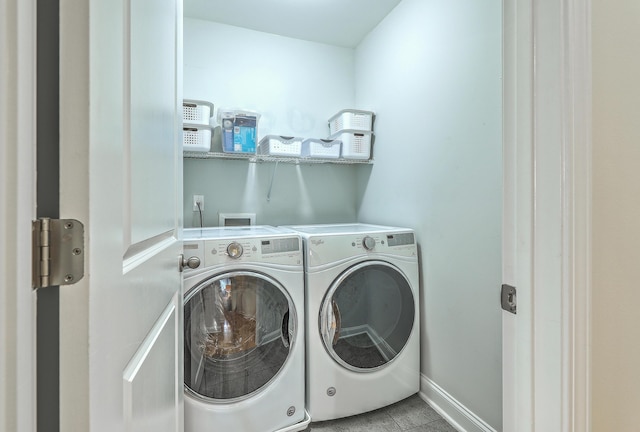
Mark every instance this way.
x=121 y=175
x=17 y=209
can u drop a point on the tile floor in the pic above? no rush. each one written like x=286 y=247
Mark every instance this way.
x=409 y=415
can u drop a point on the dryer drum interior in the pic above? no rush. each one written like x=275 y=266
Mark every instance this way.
x=238 y=331
x=367 y=316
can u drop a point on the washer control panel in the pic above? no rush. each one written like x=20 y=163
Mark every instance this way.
x=275 y=250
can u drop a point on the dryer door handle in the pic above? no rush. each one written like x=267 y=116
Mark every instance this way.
x=336 y=321
x=285 y=330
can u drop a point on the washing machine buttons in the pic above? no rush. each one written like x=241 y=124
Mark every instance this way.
x=234 y=250
x=368 y=243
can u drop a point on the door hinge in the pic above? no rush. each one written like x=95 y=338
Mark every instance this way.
x=58 y=252
x=508 y=298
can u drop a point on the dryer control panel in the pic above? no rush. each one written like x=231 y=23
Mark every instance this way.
x=400 y=239
x=324 y=249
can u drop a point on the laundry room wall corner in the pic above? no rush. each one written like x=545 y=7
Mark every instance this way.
x=432 y=73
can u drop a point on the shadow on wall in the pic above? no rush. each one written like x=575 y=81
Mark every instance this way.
x=279 y=194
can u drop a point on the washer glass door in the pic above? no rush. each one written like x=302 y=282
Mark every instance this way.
x=367 y=316
x=238 y=332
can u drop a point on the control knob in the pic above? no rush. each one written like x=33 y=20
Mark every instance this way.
x=234 y=250
x=368 y=243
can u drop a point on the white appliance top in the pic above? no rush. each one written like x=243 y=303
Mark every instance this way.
x=353 y=228
x=231 y=232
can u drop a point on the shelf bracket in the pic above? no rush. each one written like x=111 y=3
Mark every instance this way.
x=273 y=176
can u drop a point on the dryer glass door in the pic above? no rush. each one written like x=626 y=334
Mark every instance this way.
x=238 y=331
x=367 y=316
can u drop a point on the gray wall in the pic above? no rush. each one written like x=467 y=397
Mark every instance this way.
x=301 y=194
x=432 y=73
x=296 y=86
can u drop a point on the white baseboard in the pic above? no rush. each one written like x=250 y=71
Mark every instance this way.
x=459 y=416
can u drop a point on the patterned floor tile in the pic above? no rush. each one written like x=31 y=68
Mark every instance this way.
x=412 y=412
x=436 y=426
x=409 y=415
x=375 y=421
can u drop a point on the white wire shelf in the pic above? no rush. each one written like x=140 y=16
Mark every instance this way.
x=250 y=157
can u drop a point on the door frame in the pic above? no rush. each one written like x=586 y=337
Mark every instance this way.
x=547 y=214
x=17 y=210
x=520 y=92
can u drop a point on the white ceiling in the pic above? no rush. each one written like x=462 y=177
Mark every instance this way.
x=334 y=22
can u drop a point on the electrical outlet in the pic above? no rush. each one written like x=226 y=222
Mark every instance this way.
x=198 y=199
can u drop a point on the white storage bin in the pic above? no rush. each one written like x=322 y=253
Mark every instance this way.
x=350 y=119
x=320 y=148
x=356 y=144
x=276 y=145
x=196 y=111
x=196 y=138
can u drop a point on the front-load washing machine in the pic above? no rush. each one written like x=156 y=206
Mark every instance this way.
x=244 y=330
x=363 y=342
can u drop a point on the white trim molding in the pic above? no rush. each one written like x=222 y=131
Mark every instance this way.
x=547 y=141
x=577 y=97
x=454 y=412
x=517 y=137
x=17 y=210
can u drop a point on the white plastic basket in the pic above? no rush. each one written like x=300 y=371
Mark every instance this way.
x=196 y=111
x=321 y=149
x=350 y=119
x=196 y=138
x=276 y=145
x=356 y=144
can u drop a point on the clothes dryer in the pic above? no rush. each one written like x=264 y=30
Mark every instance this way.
x=244 y=331
x=363 y=341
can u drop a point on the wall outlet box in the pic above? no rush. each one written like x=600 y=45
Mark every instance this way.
x=236 y=219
